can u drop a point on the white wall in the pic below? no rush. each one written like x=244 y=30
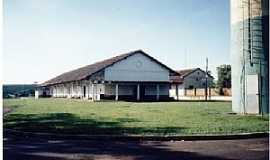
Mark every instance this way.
x=181 y=90
x=196 y=79
x=137 y=68
x=76 y=89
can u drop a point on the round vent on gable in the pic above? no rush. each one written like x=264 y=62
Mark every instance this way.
x=138 y=64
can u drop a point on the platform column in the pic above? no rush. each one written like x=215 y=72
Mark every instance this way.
x=116 y=92
x=138 y=92
x=157 y=92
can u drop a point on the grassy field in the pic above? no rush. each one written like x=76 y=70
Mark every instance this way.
x=128 y=118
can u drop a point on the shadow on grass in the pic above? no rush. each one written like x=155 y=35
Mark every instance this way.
x=28 y=147
x=67 y=123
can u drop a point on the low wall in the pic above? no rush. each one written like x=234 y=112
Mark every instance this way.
x=211 y=92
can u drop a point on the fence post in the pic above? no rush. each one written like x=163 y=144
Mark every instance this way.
x=209 y=93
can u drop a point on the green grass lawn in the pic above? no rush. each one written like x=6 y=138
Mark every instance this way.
x=128 y=118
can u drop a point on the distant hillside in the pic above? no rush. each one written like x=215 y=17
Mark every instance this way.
x=18 y=90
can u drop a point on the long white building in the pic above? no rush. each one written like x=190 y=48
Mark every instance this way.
x=130 y=76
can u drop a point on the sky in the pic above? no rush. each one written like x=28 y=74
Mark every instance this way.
x=44 y=38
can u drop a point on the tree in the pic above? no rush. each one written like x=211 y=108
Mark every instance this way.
x=224 y=76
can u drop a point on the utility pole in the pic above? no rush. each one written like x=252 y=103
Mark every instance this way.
x=206 y=79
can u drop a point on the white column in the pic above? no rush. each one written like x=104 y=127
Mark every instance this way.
x=78 y=90
x=138 y=92
x=59 y=92
x=71 y=89
x=68 y=90
x=157 y=92
x=88 y=90
x=36 y=94
x=93 y=97
x=56 y=91
x=81 y=91
x=177 y=92
x=63 y=90
x=116 y=92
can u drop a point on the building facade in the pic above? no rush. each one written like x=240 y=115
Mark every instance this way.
x=130 y=76
x=189 y=79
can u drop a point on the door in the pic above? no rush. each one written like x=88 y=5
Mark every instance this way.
x=84 y=91
x=252 y=92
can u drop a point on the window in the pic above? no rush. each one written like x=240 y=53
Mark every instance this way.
x=197 y=79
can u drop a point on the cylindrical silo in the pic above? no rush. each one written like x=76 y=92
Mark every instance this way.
x=250 y=56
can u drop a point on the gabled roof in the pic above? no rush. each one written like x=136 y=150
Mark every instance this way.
x=86 y=71
x=186 y=72
x=183 y=73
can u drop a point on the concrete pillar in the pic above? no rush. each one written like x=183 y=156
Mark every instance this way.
x=59 y=92
x=97 y=92
x=78 y=90
x=81 y=91
x=176 y=92
x=93 y=95
x=56 y=91
x=63 y=91
x=138 y=92
x=88 y=90
x=157 y=92
x=71 y=90
x=116 y=92
x=36 y=94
